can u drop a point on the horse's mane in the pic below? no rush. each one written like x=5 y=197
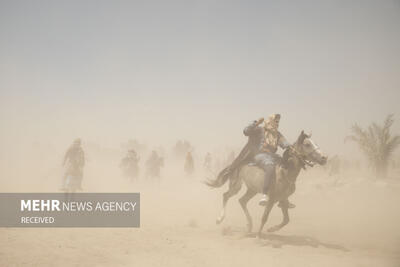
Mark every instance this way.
x=285 y=158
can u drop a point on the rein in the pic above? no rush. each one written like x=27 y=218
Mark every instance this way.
x=302 y=158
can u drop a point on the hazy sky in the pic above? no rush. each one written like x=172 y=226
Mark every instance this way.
x=163 y=70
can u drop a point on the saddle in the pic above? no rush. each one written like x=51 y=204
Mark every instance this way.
x=279 y=162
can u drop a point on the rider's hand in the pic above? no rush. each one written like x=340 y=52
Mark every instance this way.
x=260 y=120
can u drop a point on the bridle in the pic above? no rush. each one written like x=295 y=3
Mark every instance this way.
x=303 y=158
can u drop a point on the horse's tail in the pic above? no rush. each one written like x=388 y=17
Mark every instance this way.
x=221 y=179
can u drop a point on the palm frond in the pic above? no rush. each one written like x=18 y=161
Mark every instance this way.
x=376 y=141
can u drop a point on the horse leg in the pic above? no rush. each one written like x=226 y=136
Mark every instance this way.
x=234 y=188
x=264 y=219
x=243 y=203
x=285 y=212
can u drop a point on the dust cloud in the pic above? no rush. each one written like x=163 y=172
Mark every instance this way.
x=344 y=217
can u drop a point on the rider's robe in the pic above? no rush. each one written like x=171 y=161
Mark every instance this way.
x=255 y=136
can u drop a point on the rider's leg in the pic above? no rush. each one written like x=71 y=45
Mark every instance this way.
x=266 y=162
x=269 y=176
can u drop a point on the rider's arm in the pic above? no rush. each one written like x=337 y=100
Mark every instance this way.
x=252 y=127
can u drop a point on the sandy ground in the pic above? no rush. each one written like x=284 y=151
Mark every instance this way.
x=345 y=220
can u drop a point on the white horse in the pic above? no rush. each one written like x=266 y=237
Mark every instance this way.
x=303 y=152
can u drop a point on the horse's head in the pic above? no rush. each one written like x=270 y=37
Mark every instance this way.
x=309 y=151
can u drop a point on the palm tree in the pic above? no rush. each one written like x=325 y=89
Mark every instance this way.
x=376 y=143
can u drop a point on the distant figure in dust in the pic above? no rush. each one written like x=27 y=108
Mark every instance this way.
x=130 y=165
x=189 y=164
x=208 y=162
x=153 y=166
x=75 y=159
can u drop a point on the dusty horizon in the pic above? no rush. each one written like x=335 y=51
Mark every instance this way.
x=117 y=72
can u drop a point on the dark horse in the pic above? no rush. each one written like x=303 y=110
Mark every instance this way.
x=303 y=152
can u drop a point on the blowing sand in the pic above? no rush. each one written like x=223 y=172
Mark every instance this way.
x=346 y=220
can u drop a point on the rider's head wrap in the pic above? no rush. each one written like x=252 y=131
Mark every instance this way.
x=272 y=123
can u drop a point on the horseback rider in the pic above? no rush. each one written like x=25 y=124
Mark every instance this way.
x=76 y=161
x=189 y=163
x=153 y=165
x=131 y=158
x=130 y=164
x=260 y=149
x=269 y=138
